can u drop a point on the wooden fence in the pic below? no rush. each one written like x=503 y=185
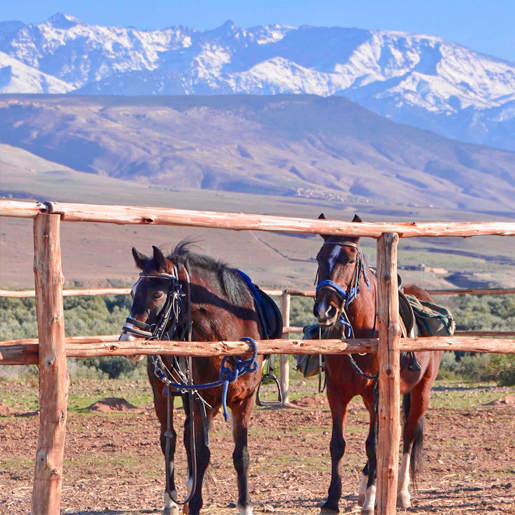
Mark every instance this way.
x=16 y=358
x=51 y=347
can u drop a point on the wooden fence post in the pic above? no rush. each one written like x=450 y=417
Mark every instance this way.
x=389 y=374
x=284 y=369
x=53 y=377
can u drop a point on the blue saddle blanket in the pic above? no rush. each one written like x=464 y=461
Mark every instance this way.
x=269 y=314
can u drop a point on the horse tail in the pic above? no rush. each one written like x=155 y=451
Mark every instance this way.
x=418 y=441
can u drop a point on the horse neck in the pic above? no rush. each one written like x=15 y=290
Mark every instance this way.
x=362 y=311
x=219 y=317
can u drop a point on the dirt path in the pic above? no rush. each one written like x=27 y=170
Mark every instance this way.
x=113 y=462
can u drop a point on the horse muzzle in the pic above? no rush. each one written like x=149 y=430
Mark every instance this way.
x=129 y=334
x=327 y=315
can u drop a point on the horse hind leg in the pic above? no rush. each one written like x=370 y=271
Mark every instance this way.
x=415 y=404
x=363 y=486
x=369 y=502
x=241 y=417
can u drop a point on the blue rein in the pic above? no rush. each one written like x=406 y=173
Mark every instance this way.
x=227 y=375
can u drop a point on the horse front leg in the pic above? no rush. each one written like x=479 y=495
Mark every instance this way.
x=202 y=454
x=338 y=403
x=241 y=414
x=371 y=467
x=168 y=437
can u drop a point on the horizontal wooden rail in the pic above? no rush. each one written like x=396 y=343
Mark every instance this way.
x=68 y=293
x=22 y=209
x=123 y=215
x=474 y=291
x=272 y=293
x=24 y=352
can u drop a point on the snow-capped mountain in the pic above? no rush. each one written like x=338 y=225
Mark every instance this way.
x=415 y=79
x=16 y=77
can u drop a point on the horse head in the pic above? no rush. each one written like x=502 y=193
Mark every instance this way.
x=340 y=266
x=155 y=298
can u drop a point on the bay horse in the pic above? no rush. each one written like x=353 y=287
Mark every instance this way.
x=221 y=305
x=346 y=306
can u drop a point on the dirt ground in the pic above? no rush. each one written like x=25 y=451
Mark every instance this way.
x=113 y=463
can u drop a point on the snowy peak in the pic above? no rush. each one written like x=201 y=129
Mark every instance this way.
x=16 y=77
x=63 y=21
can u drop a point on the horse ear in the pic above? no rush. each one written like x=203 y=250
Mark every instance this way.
x=160 y=259
x=139 y=258
x=357 y=219
x=322 y=217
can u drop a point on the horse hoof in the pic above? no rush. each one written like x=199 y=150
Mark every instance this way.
x=328 y=511
x=403 y=500
x=173 y=510
x=361 y=499
x=367 y=511
x=245 y=510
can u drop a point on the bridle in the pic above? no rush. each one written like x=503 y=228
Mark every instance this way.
x=169 y=318
x=349 y=295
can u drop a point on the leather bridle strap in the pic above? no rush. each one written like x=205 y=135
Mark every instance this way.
x=156 y=331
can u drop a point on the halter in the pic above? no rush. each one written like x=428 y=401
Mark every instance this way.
x=347 y=296
x=172 y=307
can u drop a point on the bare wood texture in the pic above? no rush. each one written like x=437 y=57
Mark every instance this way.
x=389 y=374
x=19 y=353
x=239 y=221
x=284 y=367
x=489 y=334
x=474 y=291
x=53 y=377
x=272 y=293
x=69 y=293
x=24 y=352
x=20 y=209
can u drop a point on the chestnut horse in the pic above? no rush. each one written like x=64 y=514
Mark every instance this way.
x=221 y=306
x=346 y=305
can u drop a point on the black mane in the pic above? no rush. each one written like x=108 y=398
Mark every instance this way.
x=229 y=280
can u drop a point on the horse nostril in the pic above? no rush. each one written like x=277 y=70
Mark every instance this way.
x=330 y=313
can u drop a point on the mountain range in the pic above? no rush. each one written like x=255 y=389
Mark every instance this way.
x=301 y=146
x=418 y=80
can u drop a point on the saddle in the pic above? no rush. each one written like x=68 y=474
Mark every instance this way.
x=269 y=314
x=421 y=318
x=418 y=318
x=409 y=330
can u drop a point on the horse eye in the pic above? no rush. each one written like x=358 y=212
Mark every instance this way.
x=157 y=295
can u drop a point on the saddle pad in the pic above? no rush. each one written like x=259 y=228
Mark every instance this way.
x=268 y=311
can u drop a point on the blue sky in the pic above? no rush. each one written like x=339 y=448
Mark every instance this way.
x=487 y=26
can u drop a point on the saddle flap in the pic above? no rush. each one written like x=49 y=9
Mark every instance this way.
x=272 y=316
